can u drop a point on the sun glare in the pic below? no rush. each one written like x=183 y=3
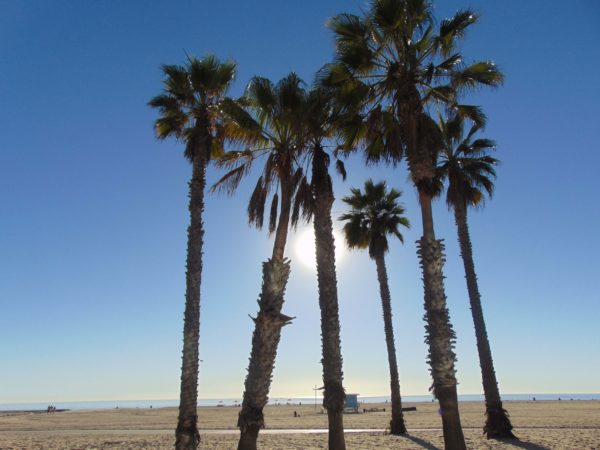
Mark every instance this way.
x=305 y=248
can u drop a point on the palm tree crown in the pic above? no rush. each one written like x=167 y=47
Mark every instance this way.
x=375 y=214
x=191 y=103
x=269 y=126
x=465 y=164
x=391 y=67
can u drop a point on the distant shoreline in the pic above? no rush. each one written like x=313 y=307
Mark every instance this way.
x=30 y=411
x=142 y=404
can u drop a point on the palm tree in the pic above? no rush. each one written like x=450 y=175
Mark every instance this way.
x=469 y=169
x=391 y=70
x=317 y=199
x=375 y=215
x=189 y=110
x=271 y=126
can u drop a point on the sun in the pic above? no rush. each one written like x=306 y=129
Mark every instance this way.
x=305 y=248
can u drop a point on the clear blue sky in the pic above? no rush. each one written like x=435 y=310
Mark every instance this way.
x=93 y=210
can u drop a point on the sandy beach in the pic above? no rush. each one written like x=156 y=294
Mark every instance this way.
x=539 y=425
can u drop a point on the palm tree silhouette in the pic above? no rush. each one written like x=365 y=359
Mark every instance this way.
x=374 y=215
x=190 y=111
x=269 y=124
x=316 y=200
x=469 y=170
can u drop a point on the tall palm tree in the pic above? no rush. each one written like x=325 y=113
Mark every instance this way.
x=190 y=111
x=469 y=169
x=317 y=199
x=391 y=70
x=270 y=126
x=375 y=214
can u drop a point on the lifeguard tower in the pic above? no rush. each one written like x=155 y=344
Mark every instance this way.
x=351 y=403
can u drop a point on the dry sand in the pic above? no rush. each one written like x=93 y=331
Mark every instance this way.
x=572 y=425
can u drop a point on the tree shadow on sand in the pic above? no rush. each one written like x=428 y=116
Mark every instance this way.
x=422 y=442
x=522 y=444
x=514 y=443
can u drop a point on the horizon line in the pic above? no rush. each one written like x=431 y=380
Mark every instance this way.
x=287 y=397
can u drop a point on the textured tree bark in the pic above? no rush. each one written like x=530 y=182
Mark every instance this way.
x=438 y=330
x=187 y=436
x=498 y=423
x=439 y=333
x=397 y=425
x=334 y=394
x=267 y=333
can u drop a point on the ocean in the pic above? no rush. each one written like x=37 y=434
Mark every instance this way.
x=112 y=404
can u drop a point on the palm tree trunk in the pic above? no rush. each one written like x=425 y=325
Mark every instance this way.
x=334 y=394
x=187 y=436
x=283 y=223
x=439 y=333
x=267 y=333
x=397 y=425
x=498 y=423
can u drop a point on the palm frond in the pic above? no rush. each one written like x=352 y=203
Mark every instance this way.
x=333 y=75
x=448 y=64
x=453 y=28
x=444 y=94
x=256 y=206
x=165 y=103
x=388 y=15
x=241 y=126
x=260 y=94
x=226 y=73
x=297 y=178
x=424 y=43
x=477 y=74
x=170 y=125
x=478 y=145
x=273 y=213
x=453 y=129
x=177 y=83
x=418 y=14
x=341 y=168
x=234 y=158
x=303 y=206
x=231 y=180
x=290 y=94
x=348 y=28
x=474 y=113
